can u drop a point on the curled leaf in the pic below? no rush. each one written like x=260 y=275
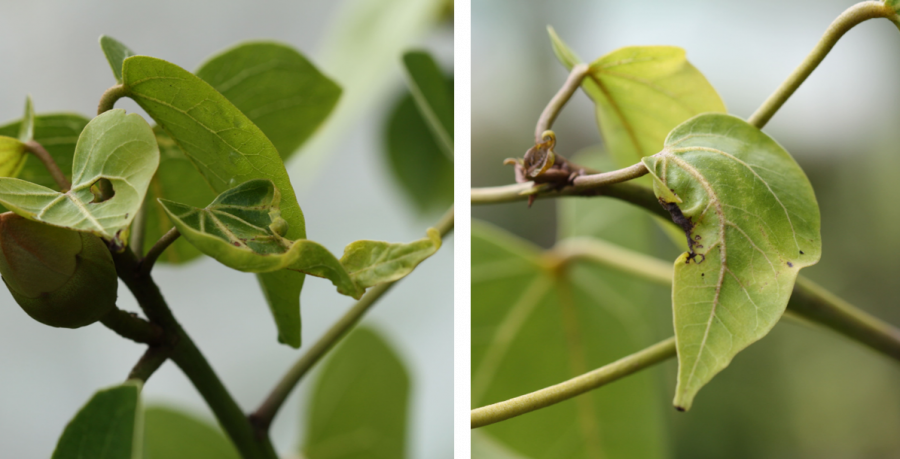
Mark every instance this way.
x=751 y=220
x=243 y=229
x=114 y=146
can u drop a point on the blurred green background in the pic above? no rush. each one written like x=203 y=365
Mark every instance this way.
x=800 y=392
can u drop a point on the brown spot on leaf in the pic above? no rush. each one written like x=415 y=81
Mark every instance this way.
x=790 y=265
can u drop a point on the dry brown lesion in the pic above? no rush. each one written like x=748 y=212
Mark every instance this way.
x=543 y=166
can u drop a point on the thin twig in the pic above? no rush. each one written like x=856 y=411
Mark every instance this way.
x=578 y=385
x=573 y=82
x=152 y=359
x=263 y=416
x=847 y=20
x=109 y=98
x=153 y=254
x=129 y=325
x=38 y=150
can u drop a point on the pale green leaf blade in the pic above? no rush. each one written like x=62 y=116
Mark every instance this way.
x=58 y=134
x=641 y=93
x=375 y=262
x=753 y=222
x=278 y=89
x=485 y=447
x=359 y=403
x=26 y=130
x=562 y=51
x=115 y=147
x=419 y=166
x=532 y=328
x=432 y=95
x=172 y=434
x=227 y=148
x=12 y=156
x=107 y=427
x=115 y=53
x=176 y=178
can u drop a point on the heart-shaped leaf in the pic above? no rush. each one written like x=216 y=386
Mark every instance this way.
x=534 y=325
x=107 y=427
x=228 y=149
x=359 y=403
x=752 y=221
x=171 y=434
x=242 y=229
x=642 y=93
x=416 y=159
x=115 y=53
x=58 y=134
x=280 y=90
x=434 y=99
x=115 y=157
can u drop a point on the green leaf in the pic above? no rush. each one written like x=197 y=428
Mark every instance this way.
x=278 y=89
x=172 y=434
x=753 y=222
x=228 y=149
x=26 y=129
x=12 y=156
x=416 y=160
x=242 y=229
x=176 y=178
x=433 y=96
x=115 y=53
x=108 y=427
x=485 y=447
x=642 y=93
x=58 y=134
x=534 y=326
x=359 y=403
x=114 y=148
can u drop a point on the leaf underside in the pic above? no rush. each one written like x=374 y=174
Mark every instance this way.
x=532 y=329
x=58 y=134
x=753 y=222
x=641 y=93
x=113 y=146
x=242 y=228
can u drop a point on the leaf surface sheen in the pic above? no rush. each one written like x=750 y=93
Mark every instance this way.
x=278 y=89
x=113 y=146
x=242 y=228
x=641 y=93
x=228 y=149
x=754 y=222
x=107 y=427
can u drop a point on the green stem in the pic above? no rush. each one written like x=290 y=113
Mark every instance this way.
x=578 y=385
x=187 y=356
x=573 y=82
x=109 y=98
x=152 y=359
x=146 y=264
x=38 y=150
x=138 y=229
x=130 y=326
x=846 y=21
x=262 y=418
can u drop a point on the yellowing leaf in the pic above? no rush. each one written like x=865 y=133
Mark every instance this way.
x=114 y=149
x=12 y=156
x=642 y=93
x=752 y=221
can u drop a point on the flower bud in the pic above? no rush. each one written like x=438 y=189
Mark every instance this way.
x=60 y=277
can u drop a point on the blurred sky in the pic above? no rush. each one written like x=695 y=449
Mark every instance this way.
x=800 y=392
x=49 y=50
